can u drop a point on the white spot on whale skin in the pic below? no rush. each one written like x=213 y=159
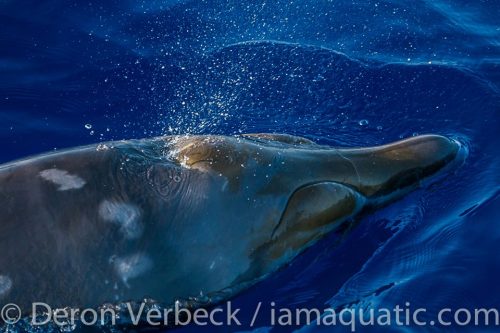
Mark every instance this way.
x=127 y=216
x=5 y=284
x=63 y=179
x=132 y=266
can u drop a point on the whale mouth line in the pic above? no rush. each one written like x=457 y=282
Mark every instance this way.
x=360 y=200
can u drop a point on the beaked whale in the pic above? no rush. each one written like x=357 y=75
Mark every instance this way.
x=173 y=217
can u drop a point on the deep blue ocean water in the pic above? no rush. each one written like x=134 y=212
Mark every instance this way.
x=345 y=73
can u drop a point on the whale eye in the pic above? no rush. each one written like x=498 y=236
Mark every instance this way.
x=164 y=178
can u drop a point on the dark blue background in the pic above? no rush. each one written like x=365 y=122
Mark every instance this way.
x=340 y=72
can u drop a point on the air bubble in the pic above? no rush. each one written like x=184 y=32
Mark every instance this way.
x=363 y=122
x=101 y=147
x=88 y=126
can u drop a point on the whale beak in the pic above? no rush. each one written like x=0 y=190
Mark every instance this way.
x=402 y=165
x=379 y=174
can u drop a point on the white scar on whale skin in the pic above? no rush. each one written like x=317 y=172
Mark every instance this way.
x=127 y=216
x=5 y=285
x=132 y=266
x=63 y=179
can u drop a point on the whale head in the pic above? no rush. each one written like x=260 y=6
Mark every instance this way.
x=298 y=191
